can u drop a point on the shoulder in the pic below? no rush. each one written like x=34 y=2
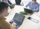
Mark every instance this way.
x=30 y=2
x=8 y=26
x=37 y=3
x=5 y=25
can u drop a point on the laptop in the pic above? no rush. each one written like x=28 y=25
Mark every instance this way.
x=12 y=6
x=28 y=11
x=18 y=19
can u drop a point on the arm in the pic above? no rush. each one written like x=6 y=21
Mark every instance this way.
x=27 y=4
x=13 y=27
x=36 y=9
x=9 y=2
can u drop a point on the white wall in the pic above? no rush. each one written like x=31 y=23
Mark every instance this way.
x=24 y=1
x=38 y=1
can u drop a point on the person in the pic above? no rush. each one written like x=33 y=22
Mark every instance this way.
x=18 y=2
x=3 y=11
x=33 y=5
x=7 y=1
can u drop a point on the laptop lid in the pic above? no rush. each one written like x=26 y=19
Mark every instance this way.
x=18 y=17
x=28 y=11
x=12 y=6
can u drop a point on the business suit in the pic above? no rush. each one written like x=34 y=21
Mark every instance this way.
x=8 y=1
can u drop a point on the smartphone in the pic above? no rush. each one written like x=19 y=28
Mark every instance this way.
x=34 y=20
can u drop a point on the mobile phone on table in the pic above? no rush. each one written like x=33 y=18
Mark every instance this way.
x=34 y=20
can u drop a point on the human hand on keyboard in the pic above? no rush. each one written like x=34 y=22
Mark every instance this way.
x=14 y=24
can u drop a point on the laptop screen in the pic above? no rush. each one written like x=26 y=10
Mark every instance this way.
x=19 y=17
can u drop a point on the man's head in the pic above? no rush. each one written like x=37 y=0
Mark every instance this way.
x=33 y=1
x=3 y=8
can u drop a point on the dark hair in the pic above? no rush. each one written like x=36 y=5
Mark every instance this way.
x=3 y=5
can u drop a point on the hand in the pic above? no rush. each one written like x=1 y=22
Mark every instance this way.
x=14 y=24
x=30 y=8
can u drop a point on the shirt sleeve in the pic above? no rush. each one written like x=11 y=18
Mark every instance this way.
x=37 y=8
x=27 y=4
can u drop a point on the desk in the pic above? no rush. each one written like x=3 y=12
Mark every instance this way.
x=27 y=24
x=17 y=9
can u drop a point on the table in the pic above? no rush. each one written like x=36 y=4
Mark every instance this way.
x=17 y=9
x=27 y=24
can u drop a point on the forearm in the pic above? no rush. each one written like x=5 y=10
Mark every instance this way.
x=27 y=4
x=12 y=27
x=35 y=9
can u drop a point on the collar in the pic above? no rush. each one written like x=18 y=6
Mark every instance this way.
x=31 y=2
x=2 y=19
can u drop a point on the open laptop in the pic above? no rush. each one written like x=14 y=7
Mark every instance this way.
x=12 y=6
x=28 y=11
x=18 y=19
